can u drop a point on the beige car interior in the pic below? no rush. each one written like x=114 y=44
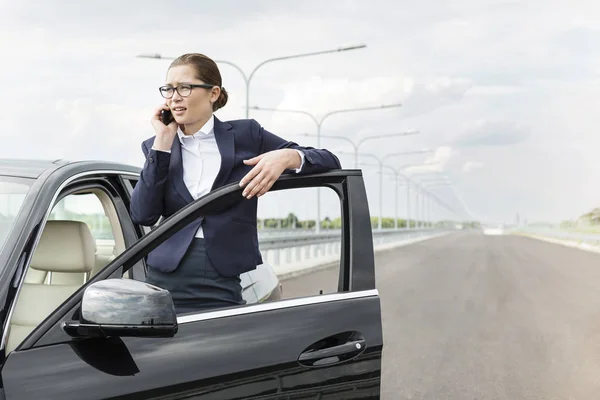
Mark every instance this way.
x=65 y=258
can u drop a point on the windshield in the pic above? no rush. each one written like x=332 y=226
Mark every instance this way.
x=12 y=194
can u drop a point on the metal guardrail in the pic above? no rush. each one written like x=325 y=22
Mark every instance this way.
x=302 y=247
x=289 y=246
x=266 y=232
x=272 y=240
x=287 y=241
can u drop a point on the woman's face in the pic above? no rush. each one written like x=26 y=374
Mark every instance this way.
x=195 y=108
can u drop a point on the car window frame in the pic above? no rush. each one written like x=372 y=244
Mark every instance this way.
x=126 y=181
x=98 y=179
x=30 y=183
x=348 y=184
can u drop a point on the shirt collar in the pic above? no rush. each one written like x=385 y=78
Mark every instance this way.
x=206 y=130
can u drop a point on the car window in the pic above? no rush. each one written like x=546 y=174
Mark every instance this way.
x=12 y=194
x=298 y=260
x=306 y=260
x=88 y=209
x=81 y=236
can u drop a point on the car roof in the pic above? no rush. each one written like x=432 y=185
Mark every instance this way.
x=34 y=168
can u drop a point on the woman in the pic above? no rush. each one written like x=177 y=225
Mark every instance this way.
x=196 y=153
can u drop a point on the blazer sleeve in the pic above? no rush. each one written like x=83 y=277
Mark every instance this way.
x=147 y=198
x=315 y=160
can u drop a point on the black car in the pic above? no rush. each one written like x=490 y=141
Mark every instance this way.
x=78 y=321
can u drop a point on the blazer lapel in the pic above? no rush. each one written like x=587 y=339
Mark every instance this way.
x=176 y=165
x=226 y=145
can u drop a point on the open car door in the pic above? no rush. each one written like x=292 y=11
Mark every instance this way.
x=324 y=346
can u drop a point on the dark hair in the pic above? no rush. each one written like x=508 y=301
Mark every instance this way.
x=207 y=71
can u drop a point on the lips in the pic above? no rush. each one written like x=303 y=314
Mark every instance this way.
x=178 y=110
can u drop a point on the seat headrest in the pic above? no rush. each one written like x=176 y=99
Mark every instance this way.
x=65 y=246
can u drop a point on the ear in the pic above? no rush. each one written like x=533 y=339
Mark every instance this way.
x=214 y=95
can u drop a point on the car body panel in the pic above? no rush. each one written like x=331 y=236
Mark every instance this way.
x=245 y=352
x=213 y=358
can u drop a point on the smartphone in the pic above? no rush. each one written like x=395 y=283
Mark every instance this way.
x=166 y=117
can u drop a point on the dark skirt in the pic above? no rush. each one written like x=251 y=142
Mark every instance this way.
x=196 y=285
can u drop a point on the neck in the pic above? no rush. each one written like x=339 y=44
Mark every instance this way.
x=190 y=129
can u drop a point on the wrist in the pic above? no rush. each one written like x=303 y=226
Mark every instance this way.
x=294 y=159
x=162 y=145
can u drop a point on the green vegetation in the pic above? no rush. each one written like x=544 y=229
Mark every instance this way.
x=588 y=222
x=293 y=222
x=100 y=227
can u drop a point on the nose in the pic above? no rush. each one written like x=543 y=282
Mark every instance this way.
x=176 y=96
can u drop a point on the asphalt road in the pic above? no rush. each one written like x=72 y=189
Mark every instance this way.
x=468 y=316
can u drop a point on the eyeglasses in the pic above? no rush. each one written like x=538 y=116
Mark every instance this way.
x=183 y=90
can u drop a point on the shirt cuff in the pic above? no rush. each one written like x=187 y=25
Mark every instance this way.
x=164 y=151
x=297 y=170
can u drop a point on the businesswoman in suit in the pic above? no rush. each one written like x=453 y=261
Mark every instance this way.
x=196 y=153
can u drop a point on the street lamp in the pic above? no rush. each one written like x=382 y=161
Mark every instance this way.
x=380 y=160
x=396 y=174
x=428 y=206
x=357 y=145
x=408 y=184
x=420 y=195
x=441 y=179
x=319 y=123
x=248 y=78
x=446 y=184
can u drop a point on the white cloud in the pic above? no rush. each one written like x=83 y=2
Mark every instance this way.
x=521 y=100
x=495 y=90
x=471 y=166
x=434 y=163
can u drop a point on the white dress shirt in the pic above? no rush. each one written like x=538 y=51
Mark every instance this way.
x=202 y=161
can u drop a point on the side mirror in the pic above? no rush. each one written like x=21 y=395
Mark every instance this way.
x=124 y=307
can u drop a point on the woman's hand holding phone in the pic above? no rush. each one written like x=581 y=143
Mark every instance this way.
x=165 y=133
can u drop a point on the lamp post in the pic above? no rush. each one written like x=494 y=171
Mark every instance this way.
x=319 y=123
x=408 y=183
x=396 y=174
x=441 y=179
x=420 y=195
x=380 y=160
x=248 y=78
x=428 y=208
x=357 y=145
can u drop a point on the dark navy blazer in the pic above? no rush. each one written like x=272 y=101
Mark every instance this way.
x=231 y=236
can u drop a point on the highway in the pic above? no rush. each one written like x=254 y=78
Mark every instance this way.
x=468 y=316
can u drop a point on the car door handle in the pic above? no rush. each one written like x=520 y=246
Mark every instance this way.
x=332 y=354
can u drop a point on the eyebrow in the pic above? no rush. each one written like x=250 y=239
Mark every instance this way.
x=180 y=83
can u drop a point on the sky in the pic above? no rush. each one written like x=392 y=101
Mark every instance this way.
x=502 y=92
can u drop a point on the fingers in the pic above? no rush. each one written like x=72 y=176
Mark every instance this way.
x=254 y=186
x=261 y=178
x=260 y=184
x=264 y=183
x=254 y=160
x=158 y=110
x=266 y=187
x=253 y=172
x=249 y=176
